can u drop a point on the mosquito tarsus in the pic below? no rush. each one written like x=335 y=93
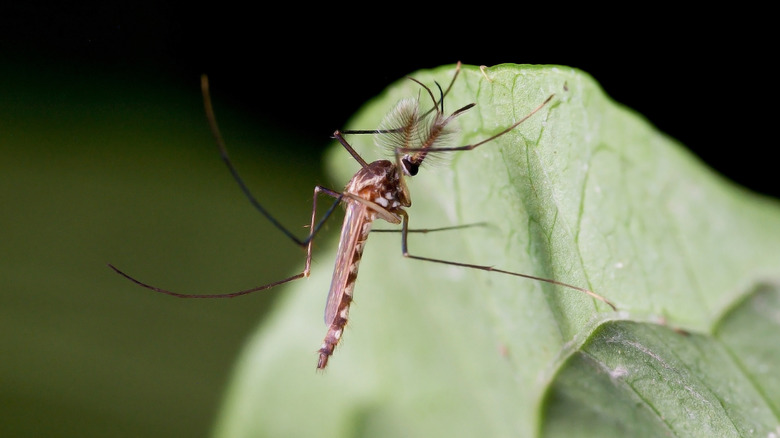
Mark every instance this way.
x=377 y=190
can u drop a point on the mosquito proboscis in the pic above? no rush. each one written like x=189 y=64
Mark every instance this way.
x=377 y=190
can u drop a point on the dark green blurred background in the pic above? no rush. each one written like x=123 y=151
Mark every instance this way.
x=105 y=156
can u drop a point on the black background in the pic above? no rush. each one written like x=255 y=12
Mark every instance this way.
x=701 y=78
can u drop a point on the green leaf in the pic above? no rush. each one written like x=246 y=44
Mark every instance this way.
x=585 y=192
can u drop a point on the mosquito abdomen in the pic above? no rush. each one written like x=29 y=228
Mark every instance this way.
x=339 y=320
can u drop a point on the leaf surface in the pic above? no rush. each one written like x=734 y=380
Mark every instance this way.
x=586 y=192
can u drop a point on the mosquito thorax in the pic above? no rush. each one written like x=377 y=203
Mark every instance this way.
x=380 y=183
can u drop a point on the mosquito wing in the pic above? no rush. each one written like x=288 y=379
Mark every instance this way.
x=354 y=232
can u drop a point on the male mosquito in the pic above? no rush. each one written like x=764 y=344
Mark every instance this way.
x=376 y=191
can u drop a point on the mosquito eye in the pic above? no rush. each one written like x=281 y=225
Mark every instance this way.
x=409 y=167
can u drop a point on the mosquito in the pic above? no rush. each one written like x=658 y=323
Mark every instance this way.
x=377 y=191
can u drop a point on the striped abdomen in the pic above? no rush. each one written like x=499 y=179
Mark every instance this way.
x=354 y=232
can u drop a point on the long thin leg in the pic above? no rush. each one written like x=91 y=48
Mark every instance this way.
x=469 y=147
x=436 y=105
x=204 y=84
x=405 y=252
x=431 y=230
x=338 y=136
x=307 y=266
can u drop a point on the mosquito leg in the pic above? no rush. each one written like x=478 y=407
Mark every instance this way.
x=469 y=147
x=405 y=252
x=314 y=227
x=390 y=131
x=204 y=83
x=338 y=136
x=452 y=82
x=431 y=230
x=226 y=295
